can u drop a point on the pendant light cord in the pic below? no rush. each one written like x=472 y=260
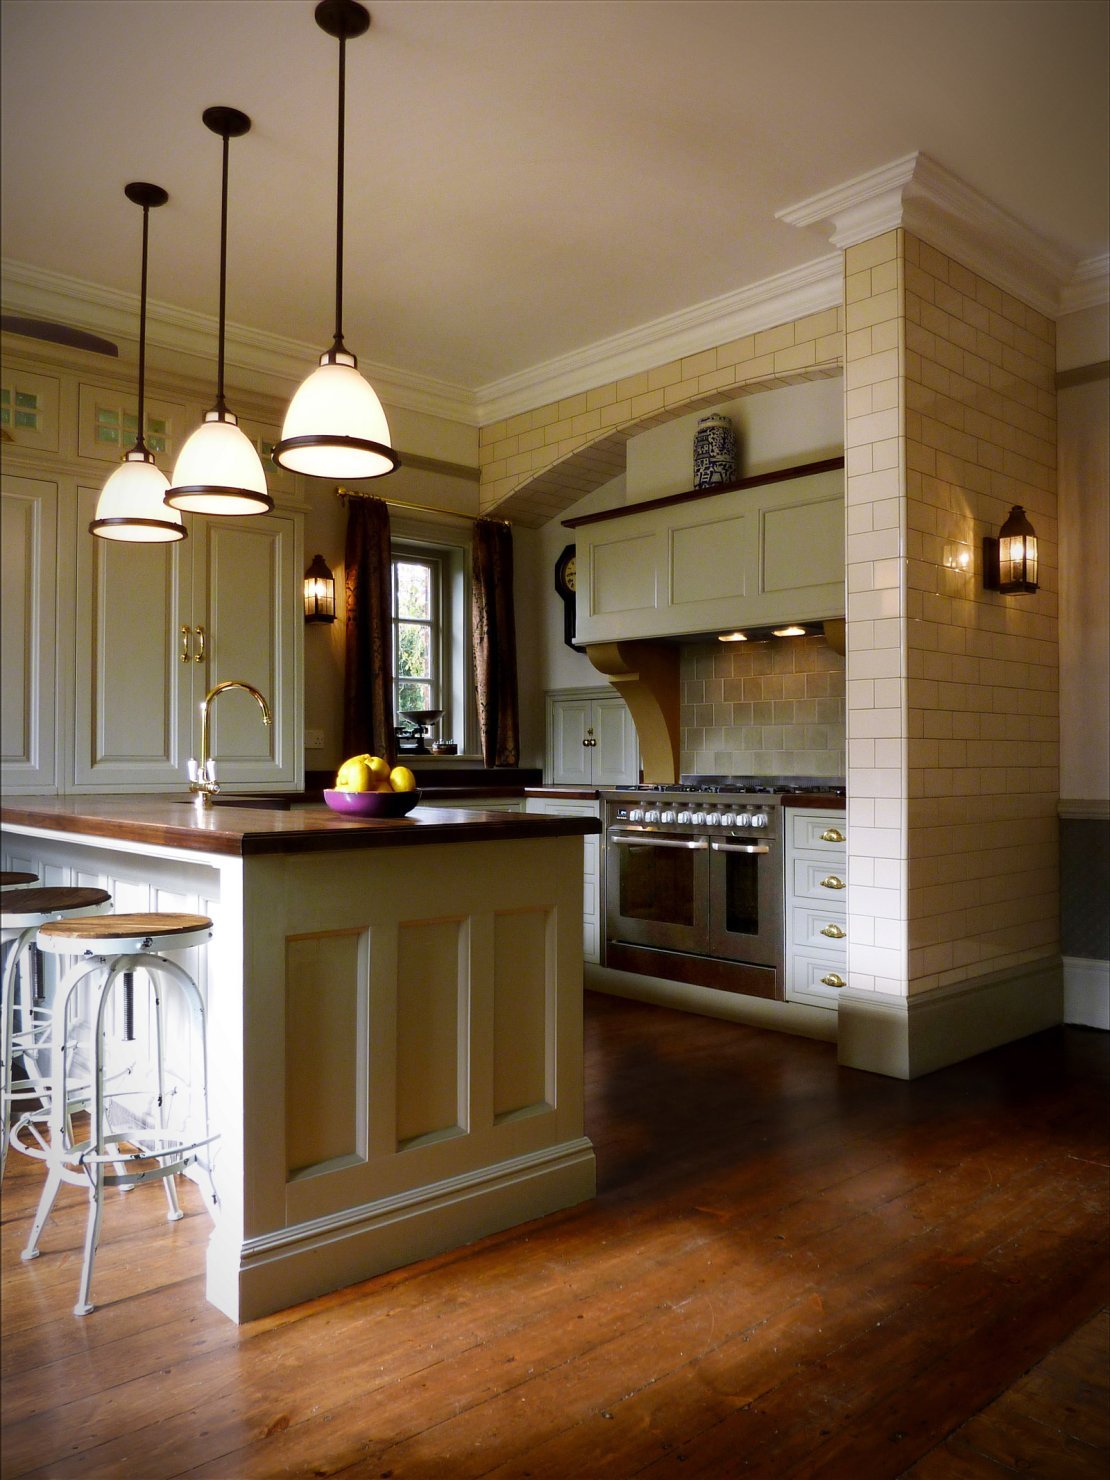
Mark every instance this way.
x=338 y=345
x=140 y=443
x=221 y=405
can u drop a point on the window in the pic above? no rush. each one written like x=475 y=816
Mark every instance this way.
x=431 y=634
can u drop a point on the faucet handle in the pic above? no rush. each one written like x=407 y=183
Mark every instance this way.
x=192 y=769
x=210 y=769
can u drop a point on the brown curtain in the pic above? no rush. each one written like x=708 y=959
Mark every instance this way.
x=495 y=643
x=368 y=723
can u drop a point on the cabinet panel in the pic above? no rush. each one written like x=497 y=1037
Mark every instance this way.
x=29 y=408
x=591 y=741
x=714 y=561
x=816 y=912
x=571 y=761
x=28 y=633
x=803 y=546
x=615 y=756
x=623 y=576
x=818 y=832
x=107 y=423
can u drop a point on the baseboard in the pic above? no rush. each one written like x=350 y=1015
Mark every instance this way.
x=308 y=1259
x=1087 y=992
x=907 y=1037
x=754 y=1012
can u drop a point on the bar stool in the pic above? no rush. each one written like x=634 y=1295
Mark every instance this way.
x=16 y=879
x=109 y=947
x=26 y=1019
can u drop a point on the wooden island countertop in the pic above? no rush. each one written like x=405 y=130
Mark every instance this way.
x=225 y=828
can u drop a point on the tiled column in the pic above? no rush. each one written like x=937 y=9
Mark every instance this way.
x=952 y=692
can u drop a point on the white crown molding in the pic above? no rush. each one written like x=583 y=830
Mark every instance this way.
x=789 y=295
x=1089 y=286
x=917 y=193
x=270 y=361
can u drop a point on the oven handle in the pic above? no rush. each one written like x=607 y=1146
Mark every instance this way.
x=648 y=840
x=739 y=848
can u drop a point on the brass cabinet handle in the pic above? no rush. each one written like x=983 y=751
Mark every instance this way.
x=834 y=932
x=200 y=651
x=832 y=835
x=832 y=882
x=832 y=980
x=184 y=644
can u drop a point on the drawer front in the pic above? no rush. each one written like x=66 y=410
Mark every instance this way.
x=825 y=931
x=825 y=879
x=813 y=980
x=818 y=832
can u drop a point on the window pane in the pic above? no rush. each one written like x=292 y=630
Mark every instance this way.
x=414 y=648
x=414 y=590
x=413 y=696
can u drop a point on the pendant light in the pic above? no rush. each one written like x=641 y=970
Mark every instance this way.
x=335 y=426
x=130 y=505
x=218 y=470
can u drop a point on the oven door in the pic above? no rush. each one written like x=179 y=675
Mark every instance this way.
x=745 y=900
x=657 y=889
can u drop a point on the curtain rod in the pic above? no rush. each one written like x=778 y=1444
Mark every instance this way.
x=342 y=494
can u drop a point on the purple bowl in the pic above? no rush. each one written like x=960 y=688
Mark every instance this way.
x=372 y=803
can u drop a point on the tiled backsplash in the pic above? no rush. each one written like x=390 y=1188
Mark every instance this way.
x=763 y=708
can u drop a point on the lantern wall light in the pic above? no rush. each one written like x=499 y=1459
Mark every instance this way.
x=1010 y=561
x=319 y=592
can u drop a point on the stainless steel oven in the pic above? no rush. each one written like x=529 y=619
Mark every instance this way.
x=693 y=886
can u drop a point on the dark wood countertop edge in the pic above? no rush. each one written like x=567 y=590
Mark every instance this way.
x=815 y=800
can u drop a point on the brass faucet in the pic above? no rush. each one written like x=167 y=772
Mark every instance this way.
x=202 y=777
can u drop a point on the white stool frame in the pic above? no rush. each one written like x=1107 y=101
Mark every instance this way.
x=86 y=1162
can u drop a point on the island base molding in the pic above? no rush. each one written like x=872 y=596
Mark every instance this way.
x=905 y=1037
x=313 y=1258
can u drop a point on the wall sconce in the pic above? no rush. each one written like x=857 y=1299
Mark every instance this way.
x=1010 y=561
x=319 y=592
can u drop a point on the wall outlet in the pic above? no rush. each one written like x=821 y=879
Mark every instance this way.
x=314 y=739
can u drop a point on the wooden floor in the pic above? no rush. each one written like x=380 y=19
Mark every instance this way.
x=790 y=1269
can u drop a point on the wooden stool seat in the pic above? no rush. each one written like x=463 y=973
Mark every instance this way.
x=20 y=907
x=16 y=878
x=110 y=930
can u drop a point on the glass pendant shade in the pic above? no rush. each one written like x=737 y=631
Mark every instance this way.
x=219 y=471
x=335 y=426
x=130 y=506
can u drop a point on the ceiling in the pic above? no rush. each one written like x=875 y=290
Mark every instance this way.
x=525 y=178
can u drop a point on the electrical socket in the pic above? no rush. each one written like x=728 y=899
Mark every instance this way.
x=314 y=739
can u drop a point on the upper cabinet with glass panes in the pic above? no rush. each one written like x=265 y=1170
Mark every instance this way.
x=108 y=422
x=29 y=409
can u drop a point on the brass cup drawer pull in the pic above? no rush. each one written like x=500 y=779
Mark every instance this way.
x=832 y=980
x=832 y=882
x=832 y=835
x=834 y=932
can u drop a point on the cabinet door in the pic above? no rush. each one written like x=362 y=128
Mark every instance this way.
x=616 y=760
x=133 y=701
x=571 y=757
x=246 y=583
x=28 y=521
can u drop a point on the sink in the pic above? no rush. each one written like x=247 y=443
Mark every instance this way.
x=229 y=799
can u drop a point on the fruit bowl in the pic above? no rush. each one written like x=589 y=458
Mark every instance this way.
x=372 y=803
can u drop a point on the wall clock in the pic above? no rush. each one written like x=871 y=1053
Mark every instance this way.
x=565 y=585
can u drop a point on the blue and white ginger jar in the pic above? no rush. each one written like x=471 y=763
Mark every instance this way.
x=714 y=451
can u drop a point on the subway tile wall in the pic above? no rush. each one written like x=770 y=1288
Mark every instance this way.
x=762 y=708
x=953 y=743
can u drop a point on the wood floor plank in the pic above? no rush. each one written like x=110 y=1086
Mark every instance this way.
x=782 y=1254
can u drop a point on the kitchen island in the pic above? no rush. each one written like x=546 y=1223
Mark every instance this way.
x=394 y=1019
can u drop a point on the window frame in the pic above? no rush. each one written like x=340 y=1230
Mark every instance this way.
x=452 y=637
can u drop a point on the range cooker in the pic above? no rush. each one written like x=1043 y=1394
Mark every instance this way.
x=694 y=880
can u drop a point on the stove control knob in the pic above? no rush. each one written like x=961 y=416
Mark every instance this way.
x=727 y=819
x=743 y=819
x=713 y=819
x=667 y=816
x=760 y=819
x=684 y=817
x=652 y=815
x=698 y=819
x=636 y=814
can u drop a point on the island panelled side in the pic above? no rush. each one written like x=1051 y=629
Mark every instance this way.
x=395 y=1031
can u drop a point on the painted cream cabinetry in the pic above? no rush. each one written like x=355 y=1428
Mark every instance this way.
x=160 y=625
x=591 y=866
x=816 y=910
x=102 y=687
x=591 y=740
x=756 y=555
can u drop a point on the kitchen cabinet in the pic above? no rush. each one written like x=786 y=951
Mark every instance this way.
x=591 y=866
x=159 y=625
x=591 y=740
x=816 y=953
x=28 y=548
x=762 y=552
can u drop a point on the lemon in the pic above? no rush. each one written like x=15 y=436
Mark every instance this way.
x=379 y=768
x=402 y=779
x=355 y=777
